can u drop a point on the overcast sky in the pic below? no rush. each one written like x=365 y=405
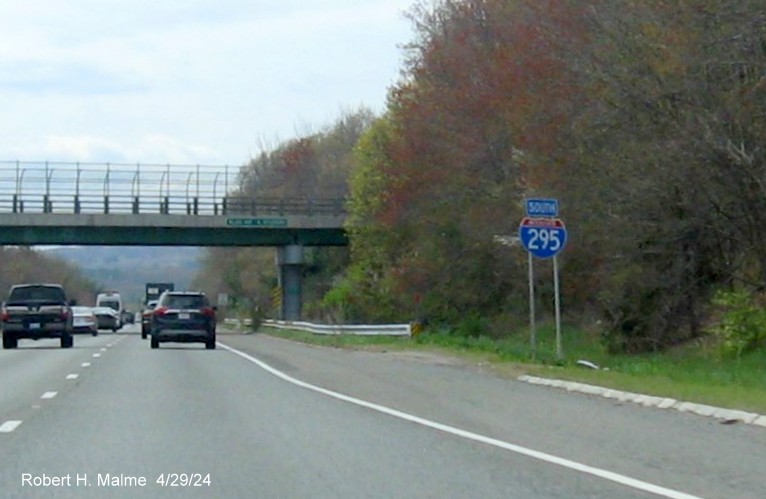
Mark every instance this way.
x=187 y=81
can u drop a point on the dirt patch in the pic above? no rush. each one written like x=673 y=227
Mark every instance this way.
x=479 y=363
x=427 y=357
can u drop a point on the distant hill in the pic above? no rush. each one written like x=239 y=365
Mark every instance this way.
x=127 y=269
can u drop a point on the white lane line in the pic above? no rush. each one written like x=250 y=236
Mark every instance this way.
x=97 y=355
x=72 y=376
x=542 y=456
x=85 y=364
x=9 y=426
x=49 y=395
x=103 y=349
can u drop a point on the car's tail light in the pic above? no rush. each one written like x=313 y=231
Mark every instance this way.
x=4 y=314
x=208 y=312
x=64 y=315
x=160 y=311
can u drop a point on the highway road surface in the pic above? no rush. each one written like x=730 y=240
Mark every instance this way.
x=261 y=417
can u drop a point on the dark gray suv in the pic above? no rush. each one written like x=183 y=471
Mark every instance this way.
x=183 y=317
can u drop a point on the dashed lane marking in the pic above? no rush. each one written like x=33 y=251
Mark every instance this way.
x=9 y=426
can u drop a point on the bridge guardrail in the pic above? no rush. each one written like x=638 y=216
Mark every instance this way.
x=110 y=188
x=335 y=329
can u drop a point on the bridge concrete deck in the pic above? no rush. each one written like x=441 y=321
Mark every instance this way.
x=171 y=229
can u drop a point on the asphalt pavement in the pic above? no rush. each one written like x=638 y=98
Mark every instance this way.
x=263 y=417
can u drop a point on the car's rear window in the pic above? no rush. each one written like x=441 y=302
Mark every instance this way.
x=184 y=301
x=37 y=293
x=113 y=304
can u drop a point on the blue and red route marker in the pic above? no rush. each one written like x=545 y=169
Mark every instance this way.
x=543 y=237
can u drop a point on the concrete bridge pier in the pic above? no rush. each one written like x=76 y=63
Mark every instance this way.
x=290 y=263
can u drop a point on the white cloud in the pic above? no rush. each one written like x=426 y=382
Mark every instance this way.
x=84 y=148
x=209 y=78
x=88 y=148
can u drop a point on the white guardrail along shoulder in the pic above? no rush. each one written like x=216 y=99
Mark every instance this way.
x=335 y=329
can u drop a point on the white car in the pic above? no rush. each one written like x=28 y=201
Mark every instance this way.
x=107 y=318
x=84 y=320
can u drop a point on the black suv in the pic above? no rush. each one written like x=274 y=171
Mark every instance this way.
x=183 y=317
x=36 y=311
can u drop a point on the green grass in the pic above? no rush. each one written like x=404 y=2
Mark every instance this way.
x=694 y=373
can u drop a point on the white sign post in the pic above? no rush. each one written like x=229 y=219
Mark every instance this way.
x=532 y=326
x=557 y=304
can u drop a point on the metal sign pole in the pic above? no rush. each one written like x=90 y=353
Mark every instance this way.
x=532 y=331
x=559 y=350
x=543 y=235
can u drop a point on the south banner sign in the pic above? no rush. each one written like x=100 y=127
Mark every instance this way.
x=543 y=237
x=547 y=208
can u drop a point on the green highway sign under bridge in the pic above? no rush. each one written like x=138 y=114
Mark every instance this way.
x=169 y=230
x=256 y=222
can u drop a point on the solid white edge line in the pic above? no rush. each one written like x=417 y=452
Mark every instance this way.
x=9 y=426
x=542 y=456
x=48 y=395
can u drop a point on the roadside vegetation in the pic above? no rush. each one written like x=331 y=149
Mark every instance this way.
x=645 y=119
x=698 y=372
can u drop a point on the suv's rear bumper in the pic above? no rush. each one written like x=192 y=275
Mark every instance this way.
x=183 y=335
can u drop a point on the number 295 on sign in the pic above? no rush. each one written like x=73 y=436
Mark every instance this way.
x=543 y=239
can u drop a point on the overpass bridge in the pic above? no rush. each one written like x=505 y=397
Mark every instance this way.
x=52 y=203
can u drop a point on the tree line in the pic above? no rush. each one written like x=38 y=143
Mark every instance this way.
x=645 y=119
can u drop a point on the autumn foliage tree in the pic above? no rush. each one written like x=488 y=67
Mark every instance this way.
x=472 y=129
x=672 y=145
x=644 y=118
